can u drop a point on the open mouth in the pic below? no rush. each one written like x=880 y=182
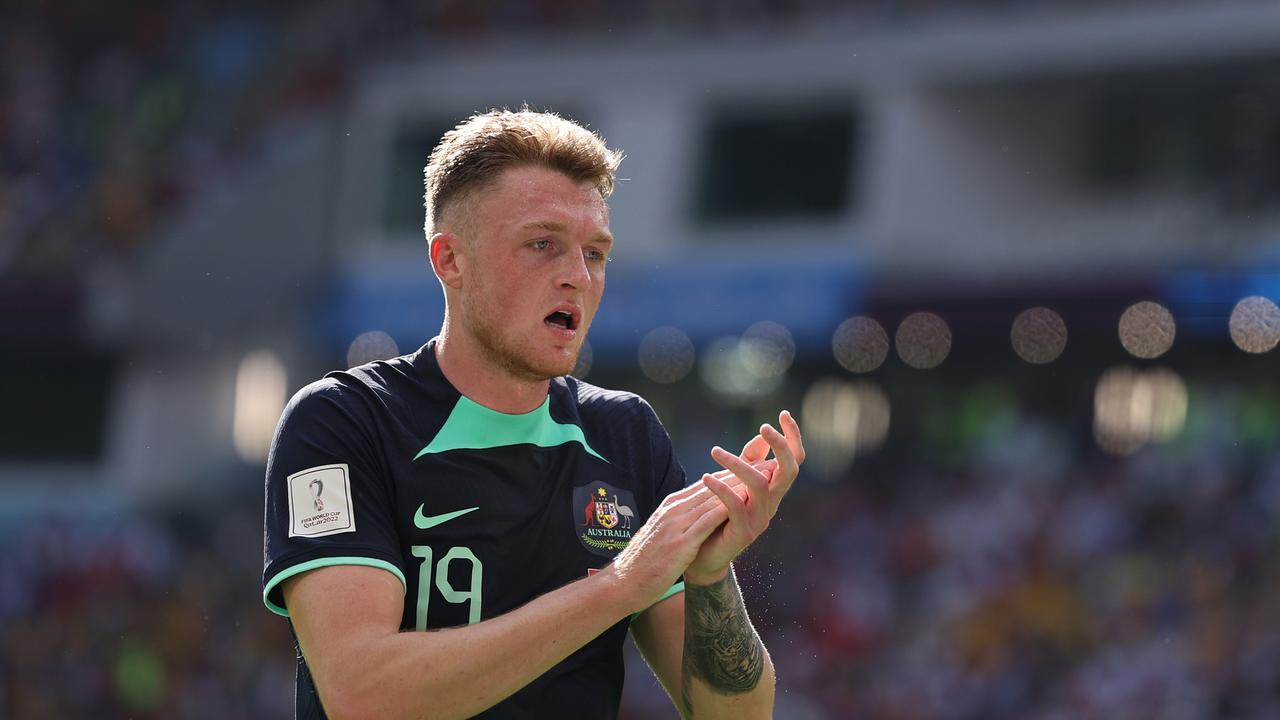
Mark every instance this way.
x=563 y=319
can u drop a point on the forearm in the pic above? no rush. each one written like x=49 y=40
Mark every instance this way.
x=347 y=622
x=726 y=669
x=459 y=672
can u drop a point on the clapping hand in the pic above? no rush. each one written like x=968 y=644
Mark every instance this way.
x=751 y=488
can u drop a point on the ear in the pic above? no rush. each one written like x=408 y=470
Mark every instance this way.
x=447 y=258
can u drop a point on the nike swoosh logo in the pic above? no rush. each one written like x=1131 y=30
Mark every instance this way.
x=426 y=523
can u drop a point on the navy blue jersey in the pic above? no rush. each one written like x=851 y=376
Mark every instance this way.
x=476 y=512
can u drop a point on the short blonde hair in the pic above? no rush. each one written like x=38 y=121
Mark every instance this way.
x=475 y=153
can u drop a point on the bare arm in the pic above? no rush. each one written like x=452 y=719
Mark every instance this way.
x=347 y=620
x=704 y=651
x=659 y=635
x=725 y=670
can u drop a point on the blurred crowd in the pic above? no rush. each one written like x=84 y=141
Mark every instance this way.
x=147 y=616
x=1023 y=577
x=1036 y=580
x=113 y=116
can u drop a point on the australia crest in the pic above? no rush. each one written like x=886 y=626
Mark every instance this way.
x=605 y=517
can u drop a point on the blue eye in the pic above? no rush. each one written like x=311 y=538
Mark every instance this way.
x=541 y=244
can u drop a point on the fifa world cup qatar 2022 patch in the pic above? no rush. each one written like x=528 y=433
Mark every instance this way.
x=320 y=502
x=604 y=517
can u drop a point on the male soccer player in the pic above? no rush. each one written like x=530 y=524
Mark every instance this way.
x=524 y=519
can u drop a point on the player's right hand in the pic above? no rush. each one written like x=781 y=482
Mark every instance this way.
x=666 y=544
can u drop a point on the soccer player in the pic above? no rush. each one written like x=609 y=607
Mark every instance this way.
x=474 y=490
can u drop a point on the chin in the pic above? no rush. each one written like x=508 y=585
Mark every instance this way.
x=550 y=367
x=564 y=368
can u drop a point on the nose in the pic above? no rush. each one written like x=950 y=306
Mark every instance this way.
x=573 y=272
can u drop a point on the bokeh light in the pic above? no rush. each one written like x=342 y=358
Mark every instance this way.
x=729 y=375
x=260 y=398
x=666 y=354
x=841 y=420
x=923 y=340
x=1255 y=324
x=1135 y=407
x=1039 y=335
x=860 y=344
x=371 y=346
x=1147 y=330
x=768 y=349
x=583 y=366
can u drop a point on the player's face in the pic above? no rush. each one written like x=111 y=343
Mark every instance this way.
x=536 y=270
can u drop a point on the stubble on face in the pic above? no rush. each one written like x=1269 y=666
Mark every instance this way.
x=487 y=327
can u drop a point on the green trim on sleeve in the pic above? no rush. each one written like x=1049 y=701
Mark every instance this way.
x=673 y=590
x=319 y=563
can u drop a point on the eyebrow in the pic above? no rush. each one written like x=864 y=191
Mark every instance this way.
x=605 y=238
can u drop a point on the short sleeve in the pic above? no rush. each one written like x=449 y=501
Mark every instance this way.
x=669 y=473
x=327 y=503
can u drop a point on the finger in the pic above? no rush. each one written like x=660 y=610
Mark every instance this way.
x=755 y=450
x=680 y=495
x=787 y=465
x=707 y=522
x=781 y=481
x=704 y=496
x=688 y=491
x=738 y=510
x=696 y=488
x=736 y=466
x=733 y=482
x=723 y=474
x=713 y=508
x=683 y=502
x=708 y=493
x=706 y=501
x=768 y=468
x=757 y=484
x=678 y=513
x=791 y=429
x=764 y=466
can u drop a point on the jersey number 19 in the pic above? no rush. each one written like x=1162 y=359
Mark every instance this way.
x=470 y=595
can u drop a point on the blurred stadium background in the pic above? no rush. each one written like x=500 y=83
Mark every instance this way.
x=1013 y=262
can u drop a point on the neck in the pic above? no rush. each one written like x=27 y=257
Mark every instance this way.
x=466 y=366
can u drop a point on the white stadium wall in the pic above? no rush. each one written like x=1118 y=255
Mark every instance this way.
x=970 y=130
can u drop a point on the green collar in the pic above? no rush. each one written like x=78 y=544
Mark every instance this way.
x=472 y=426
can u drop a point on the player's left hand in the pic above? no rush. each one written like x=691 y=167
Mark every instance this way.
x=751 y=494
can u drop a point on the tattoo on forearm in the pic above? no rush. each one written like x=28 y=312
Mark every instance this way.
x=720 y=646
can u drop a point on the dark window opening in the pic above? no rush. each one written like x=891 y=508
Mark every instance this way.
x=776 y=164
